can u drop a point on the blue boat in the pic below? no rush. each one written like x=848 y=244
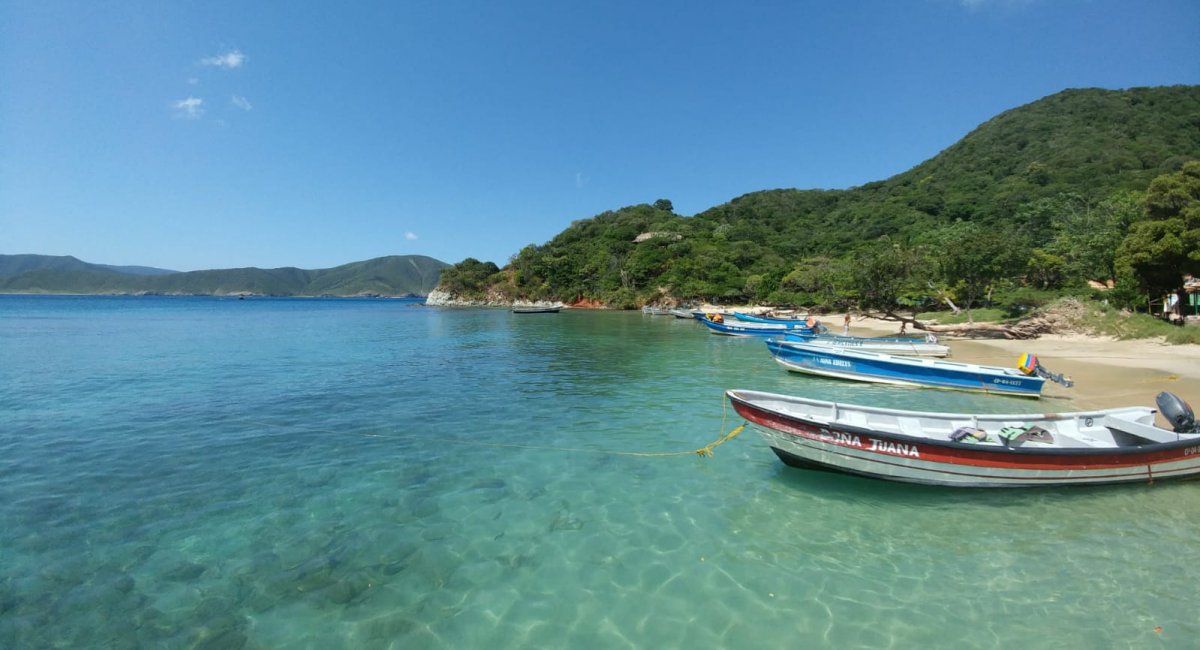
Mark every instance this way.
x=808 y=321
x=883 y=368
x=738 y=328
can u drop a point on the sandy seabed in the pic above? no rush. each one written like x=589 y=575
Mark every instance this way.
x=1107 y=372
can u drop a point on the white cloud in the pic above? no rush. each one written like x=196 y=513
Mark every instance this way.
x=410 y=236
x=191 y=108
x=581 y=180
x=192 y=81
x=231 y=59
x=241 y=102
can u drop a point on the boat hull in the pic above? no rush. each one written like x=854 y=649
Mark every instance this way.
x=901 y=371
x=801 y=442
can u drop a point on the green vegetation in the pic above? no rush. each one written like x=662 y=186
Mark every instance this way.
x=1106 y=320
x=383 y=276
x=1084 y=185
x=1164 y=243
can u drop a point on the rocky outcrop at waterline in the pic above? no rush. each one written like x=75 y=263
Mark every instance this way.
x=440 y=298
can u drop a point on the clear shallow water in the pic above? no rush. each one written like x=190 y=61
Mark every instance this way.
x=365 y=474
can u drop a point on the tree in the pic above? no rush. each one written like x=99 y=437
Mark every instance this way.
x=1086 y=237
x=1046 y=270
x=888 y=277
x=467 y=278
x=1165 y=244
x=664 y=205
x=970 y=258
x=822 y=280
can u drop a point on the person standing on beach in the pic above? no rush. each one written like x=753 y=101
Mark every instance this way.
x=846 y=324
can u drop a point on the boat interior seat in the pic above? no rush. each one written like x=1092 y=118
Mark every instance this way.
x=1068 y=434
x=1140 y=432
x=909 y=426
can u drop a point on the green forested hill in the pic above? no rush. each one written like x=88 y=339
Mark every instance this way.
x=1091 y=143
x=1015 y=176
x=384 y=276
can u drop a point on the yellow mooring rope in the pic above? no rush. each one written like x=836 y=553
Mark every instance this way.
x=705 y=451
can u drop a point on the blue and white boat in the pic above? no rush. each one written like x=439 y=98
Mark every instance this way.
x=720 y=325
x=808 y=321
x=905 y=371
x=902 y=345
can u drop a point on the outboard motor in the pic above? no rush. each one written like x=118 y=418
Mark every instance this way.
x=1028 y=364
x=1177 y=412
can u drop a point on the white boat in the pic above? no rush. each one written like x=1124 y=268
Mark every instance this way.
x=536 y=309
x=911 y=347
x=1117 y=445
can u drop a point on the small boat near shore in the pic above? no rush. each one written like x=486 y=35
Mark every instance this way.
x=1117 y=445
x=656 y=311
x=877 y=367
x=718 y=324
x=536 y=309
x=755 y=318
x=901 y=345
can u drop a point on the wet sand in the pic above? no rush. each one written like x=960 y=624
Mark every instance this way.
x=1107 y=372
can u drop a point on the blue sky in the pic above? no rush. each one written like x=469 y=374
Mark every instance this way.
x=193 y=135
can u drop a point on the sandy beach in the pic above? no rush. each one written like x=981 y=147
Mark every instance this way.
x=1107 y=372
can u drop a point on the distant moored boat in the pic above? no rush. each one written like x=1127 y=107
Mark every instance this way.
x=536 y=309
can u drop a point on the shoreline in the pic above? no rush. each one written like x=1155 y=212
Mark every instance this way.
x=1107 y=372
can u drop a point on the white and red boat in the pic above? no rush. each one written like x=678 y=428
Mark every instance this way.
x=1118 y=445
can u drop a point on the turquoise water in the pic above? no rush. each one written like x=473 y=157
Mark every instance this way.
x=196 y=472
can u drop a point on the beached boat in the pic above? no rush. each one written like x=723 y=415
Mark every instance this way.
x=656 y=311
x=755 y=318
x=913 y=347
x=720 y=325
x=1118 y=445
x=682 y=313
x=536 y=309
x=877 y=367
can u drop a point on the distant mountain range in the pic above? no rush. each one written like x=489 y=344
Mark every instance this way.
x=395 y=275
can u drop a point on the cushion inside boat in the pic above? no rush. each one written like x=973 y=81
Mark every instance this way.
x=1016 y=436
x=969 y=434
